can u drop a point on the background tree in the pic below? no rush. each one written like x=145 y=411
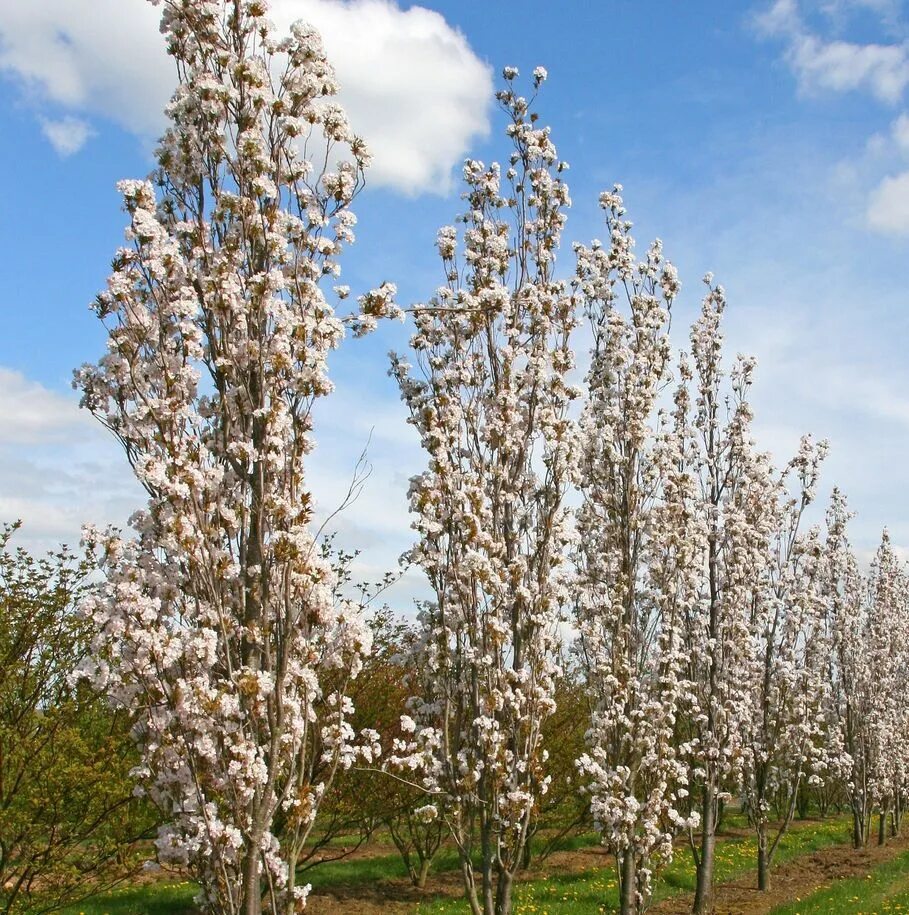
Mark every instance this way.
x=782 y=734
x=491 y=403
x=848 y=671
x=733 y=499
x=365 y=798
x=68 y=817
x=564 y=810
x=888 y=662
x=219 y=623
x=628 y=621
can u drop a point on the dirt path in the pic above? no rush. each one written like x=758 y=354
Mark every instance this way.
x=795 y=879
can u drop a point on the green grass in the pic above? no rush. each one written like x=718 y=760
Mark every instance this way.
x=152 y=899
x=882 y=891
x=595 y=891
x=592 y=891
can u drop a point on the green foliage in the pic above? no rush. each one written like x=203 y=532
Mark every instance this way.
x=67 y=814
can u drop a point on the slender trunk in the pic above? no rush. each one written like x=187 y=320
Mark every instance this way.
x=628 y=884
x=882 y=826
x=470 y=885
x=503 y=893
x=252 y=890
x=423 y=873
x=703 y=896
x=858 y=827
x=763 y=859
x=489 y=897
x=527 y=853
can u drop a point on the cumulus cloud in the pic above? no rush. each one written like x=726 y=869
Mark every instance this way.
x=30 y=414
x=832 y=65
x=842 y=66
x=888 y=206
x=888 y=203
x=67 y=135
x=839 y=66
x=58 y=468
x=900 y=131
x=411 y=83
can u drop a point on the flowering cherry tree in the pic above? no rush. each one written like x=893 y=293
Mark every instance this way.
x=490 y=399
x=632 y=556
x=887 y=643
x=220 y=621
x=733 y=502
x=782 y=730
x=850 y=701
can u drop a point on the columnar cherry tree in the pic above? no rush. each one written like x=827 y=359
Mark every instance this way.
x=220 y=620
x=849 y=675
x=491 y=402
x=782 y=732
x=888 y=662
x=734 y=502
x=629 y=595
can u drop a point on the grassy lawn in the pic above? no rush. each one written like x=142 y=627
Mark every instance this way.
x=882 y=891
x=592 y=891
x=154 y=899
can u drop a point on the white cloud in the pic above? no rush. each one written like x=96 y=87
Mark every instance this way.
x=837 y=66
x=67 y=135
x=30 y=414
x=411 y=83
x=58 y=467
x=888 y=206
x=900 y=132
x=841 y=66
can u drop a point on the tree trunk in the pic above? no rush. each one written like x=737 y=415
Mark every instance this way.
x=763 y=860
x=628 y=885
x=858 y=828
x=503 y=893
x=527 y=853
x=882 y=826
x=252 y=890
x=703 y=895
x=422 y=874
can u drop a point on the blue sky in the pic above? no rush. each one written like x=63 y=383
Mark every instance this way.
x=767 y=142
